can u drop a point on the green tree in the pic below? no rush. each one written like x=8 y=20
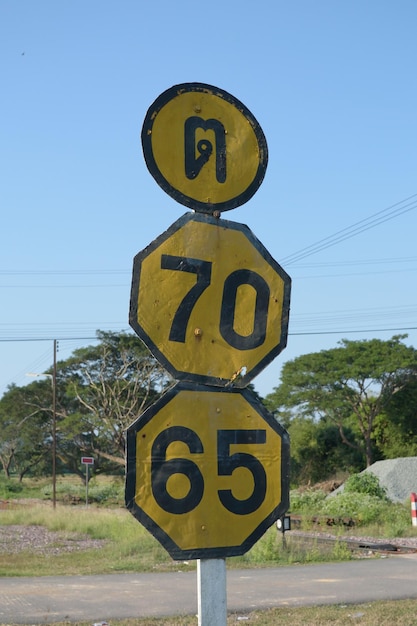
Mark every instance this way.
x=396 y=429
x=350 y=386
x=317 y=452
x=106 y=388
x=100 y=390
x=26 y=429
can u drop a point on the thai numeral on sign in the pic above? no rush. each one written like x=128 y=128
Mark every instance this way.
x=162 y=469
x=236 y=279
x=204 y=147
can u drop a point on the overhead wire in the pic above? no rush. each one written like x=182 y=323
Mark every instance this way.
x=389 y=213
x=380 y=217
x=333 y=264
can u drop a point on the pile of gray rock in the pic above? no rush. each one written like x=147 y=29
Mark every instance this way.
x=398 y=476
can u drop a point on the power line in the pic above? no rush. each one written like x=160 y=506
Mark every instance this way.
x=384 y=215
x=290 y=334
x=345 y=332
x=18 y=339
x=87 y=272
x=60 y=272
x=334 y=264
x=103 y=286
x=355 y=229
x=359 y=262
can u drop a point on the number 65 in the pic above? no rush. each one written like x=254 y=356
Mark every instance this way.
x=162 y=469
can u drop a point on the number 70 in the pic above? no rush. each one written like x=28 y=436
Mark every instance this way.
x=202 y=270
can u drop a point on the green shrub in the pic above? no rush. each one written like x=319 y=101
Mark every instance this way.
x=308 y=502
x=268 y=548
x=106 y=493
x=363 y=508
x=366 y=483
x=9 y=487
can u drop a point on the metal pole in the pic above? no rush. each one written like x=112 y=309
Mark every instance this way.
x=54 y=430
x=211 y=583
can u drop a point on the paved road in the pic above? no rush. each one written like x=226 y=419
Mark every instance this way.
x=97 y=598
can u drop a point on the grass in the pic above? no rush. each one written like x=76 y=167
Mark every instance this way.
x=130 y=548
x=400 y=613
x=69 y=488
x=373 y=515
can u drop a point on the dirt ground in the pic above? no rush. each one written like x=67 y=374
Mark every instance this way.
x=40 y=540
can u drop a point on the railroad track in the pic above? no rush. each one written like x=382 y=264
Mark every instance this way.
x=355 y=545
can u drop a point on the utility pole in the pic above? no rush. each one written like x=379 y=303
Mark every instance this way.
x=54 y=429
x=53 y=381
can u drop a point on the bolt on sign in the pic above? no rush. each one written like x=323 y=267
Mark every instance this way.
x=204 y=147
x=207 y=465
x=207 y=470
x=210 y=302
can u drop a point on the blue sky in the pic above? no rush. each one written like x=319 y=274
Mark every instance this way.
x=333 y=86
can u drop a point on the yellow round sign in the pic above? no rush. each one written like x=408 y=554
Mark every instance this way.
x=207 y=471
x=204 y=147
x=210 y=302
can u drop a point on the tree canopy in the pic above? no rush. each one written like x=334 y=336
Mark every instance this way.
x=100 y=390
x=350 y=386
x=343 y=408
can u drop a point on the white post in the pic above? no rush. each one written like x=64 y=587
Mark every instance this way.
x=414 y=509
x=211 y=583
x=86 y=486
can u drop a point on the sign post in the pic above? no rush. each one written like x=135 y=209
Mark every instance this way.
x=211 y=591
x=207 y=469
x=87 y=461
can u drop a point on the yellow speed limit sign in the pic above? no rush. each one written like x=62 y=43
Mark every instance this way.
x=210 y=302
x=207 y=471
x=204 y=147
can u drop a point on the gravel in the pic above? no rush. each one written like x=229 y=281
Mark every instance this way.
x=40 y=540
x=398 y=476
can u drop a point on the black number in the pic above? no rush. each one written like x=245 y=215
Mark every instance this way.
x=203 y=271
x=231 y=285
x=227 y=463
x=204 y=147
x=162 y=469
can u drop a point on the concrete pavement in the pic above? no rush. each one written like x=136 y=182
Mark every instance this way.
x=99 y=598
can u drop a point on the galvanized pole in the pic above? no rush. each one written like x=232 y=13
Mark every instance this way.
x=86 y=486
x=212 y=596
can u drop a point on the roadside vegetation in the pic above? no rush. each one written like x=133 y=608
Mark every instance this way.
x=363 y=502
x=127 y=547
x=399 y=612
x=344 y=408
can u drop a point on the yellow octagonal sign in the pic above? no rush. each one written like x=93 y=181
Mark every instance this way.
x=209 y=301
x=204 y=147
x=207 y=471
